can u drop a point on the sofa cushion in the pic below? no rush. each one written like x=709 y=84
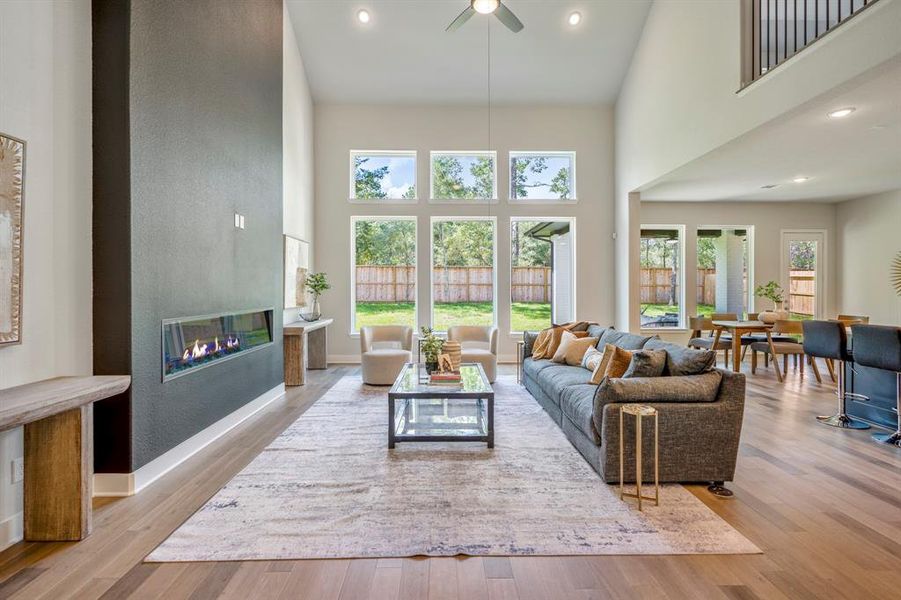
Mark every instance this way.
x=619 y=361
x=532 y=367
x=528 y=338
x=646 y=363
x=577 y=404
x=681 y=360
x=556 y=377
x=623 y=339
x=596 y=331
x=643 y=390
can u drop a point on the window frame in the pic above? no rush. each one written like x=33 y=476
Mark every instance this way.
x=354 y=219
x=682 y=325
x=750 y=241
x=352 y=188
x=539 y=153
x=477 y=153
x=440 y=219
x=573 y=286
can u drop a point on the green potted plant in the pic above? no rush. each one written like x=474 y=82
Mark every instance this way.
x=316 y=283
x=431 y=346
x=773 y=292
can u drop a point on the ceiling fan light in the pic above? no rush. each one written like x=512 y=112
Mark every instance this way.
x=485 y=7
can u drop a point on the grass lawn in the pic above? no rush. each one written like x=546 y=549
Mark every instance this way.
x=526 y=316
x=658 y=310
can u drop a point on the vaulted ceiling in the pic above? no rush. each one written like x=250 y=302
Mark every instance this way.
x=404 y=56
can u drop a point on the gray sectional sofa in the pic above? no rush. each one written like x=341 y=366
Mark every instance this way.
x=700 y=415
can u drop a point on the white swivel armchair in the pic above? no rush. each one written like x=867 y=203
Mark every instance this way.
x=479 y=344
x=384 y=350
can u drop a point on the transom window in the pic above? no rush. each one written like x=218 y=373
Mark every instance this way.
x=543 y=176
x=464 y=176
x=380 y=175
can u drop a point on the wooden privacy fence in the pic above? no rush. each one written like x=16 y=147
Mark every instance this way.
x=802 y=292
x=656 y=286
x=376 y=283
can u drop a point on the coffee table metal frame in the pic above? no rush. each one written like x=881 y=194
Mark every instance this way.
x=440 y=393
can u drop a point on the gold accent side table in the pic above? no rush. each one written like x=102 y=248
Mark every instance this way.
x=639 y=411
x=520 y=348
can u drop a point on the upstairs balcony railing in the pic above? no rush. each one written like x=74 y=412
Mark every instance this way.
x=775 y=30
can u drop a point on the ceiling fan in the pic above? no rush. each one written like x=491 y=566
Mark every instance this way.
x=486 y=7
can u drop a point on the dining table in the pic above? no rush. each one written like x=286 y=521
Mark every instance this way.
x=739 y=328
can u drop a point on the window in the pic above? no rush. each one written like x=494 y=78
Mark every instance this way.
x=382 y=175
x=723 y=270
x=464 y=176
x=802 y=274
x=661 y=275
x=542 y=278
x=542 y=176
x=463 y=268
x=383 y=286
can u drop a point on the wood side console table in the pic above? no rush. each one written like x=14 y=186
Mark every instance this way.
x=306 y=347
x=59 y=450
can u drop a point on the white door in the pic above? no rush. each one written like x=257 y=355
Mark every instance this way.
x=803 y=267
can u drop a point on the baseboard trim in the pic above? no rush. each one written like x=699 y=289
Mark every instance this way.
x=11 y=530
x=128 y=484
x=344 y=359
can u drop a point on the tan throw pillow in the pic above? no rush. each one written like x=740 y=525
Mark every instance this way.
x=547 y=342
x=576 y=348
x=619 y=363
x=601 y=369
x=566 y=339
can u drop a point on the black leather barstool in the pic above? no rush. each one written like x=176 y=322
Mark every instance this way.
x=879 y=346
x=828 y=339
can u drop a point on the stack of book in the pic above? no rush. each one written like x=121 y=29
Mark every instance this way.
x=446 y=378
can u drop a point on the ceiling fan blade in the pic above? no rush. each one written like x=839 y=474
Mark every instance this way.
x=506 y=16
x=461 y=18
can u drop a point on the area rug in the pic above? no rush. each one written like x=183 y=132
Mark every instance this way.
x=328 y=487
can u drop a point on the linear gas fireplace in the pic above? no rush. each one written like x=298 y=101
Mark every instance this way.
x=193 y=343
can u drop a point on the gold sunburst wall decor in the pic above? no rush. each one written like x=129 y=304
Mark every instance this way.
x=896 y=274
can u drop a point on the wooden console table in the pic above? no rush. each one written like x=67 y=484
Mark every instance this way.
x=306 y=347
x=59 y=450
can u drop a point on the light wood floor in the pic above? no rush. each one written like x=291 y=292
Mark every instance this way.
x=823 y=504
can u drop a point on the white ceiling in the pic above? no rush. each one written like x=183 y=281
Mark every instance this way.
x=404 y=56
x=844 y=158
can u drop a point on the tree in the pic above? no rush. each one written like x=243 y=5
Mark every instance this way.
x=385 y=242
x=521 y=182
x=803 y=255
x=368 y=182
x=527 y=251
x=448 y=180
x=706 y=253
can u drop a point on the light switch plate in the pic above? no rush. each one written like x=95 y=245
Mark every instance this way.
x=237 y=221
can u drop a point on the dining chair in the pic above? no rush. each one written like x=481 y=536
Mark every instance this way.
x=788 y=329
x=700 y=326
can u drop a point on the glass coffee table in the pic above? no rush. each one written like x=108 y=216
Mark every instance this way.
x=420 y=412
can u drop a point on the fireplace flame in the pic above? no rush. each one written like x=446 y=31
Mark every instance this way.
x=199 y=350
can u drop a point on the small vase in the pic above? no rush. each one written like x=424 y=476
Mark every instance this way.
x=314 y=313
x=431 y=367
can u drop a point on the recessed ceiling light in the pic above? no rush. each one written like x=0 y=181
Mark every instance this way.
x=485 y=7
x=842 y=112
x=363 y=16
x=575 y=18
x=800 y=179
x=770 y=186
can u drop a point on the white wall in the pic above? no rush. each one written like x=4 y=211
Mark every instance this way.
x=867 y=231
x=680 y=98
x=587 y=130
x=45 y=99
x=768 y=220
x=297 y=147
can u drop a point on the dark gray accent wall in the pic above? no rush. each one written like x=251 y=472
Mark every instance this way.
x=204 y=97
